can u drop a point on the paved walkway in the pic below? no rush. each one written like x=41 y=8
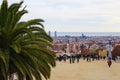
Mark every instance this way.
x=94 y=70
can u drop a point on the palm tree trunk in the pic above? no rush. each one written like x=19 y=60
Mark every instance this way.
x=11 y=77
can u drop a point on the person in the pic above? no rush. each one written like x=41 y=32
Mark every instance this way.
x=70 y=59
x=109 y=62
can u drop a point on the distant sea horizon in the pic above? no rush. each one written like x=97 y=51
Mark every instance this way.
x=84 y=33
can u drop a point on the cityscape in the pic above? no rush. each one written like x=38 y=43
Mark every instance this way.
x=90 y=53
x=75 y=44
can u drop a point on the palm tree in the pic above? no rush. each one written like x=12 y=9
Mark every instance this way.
x=23 y=45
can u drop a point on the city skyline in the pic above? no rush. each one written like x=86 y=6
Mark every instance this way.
x=75 y=15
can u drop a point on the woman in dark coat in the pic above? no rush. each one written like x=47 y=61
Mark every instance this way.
x=109 y=62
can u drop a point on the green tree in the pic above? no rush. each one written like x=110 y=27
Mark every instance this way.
x=24 y=45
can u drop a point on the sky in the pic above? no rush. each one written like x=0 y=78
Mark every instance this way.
x=75 y=15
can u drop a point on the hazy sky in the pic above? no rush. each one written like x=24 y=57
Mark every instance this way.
x=75 y=15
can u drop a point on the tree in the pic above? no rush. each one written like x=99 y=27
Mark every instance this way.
x=23 y=45
x=116 y=51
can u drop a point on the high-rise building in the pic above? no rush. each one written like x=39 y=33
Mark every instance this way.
x=49 y=33
x=83 y=36
x=55 y=33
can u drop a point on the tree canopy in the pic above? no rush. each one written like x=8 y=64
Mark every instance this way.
x=23 y=45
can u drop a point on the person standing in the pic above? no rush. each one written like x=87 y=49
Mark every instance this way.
x=109 y=53
x=109 y=62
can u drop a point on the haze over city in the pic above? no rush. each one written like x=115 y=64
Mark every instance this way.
x=75 y=15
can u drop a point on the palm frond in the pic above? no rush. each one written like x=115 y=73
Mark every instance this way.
x=3 y=13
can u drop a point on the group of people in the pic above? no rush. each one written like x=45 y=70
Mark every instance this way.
x=71 y=58
x=76 y=58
